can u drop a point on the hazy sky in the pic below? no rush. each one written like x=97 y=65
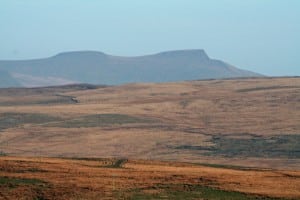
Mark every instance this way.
x=258 y=35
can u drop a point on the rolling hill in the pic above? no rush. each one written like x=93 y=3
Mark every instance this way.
x=99 y=68
x=250 y=122
x=234 y=139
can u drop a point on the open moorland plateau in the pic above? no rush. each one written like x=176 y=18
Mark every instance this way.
x=209 y=139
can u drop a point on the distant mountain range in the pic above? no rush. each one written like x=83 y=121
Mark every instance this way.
x=98 y=68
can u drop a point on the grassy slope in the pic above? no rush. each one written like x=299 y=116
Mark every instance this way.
x=255 y=119
x=86 y=178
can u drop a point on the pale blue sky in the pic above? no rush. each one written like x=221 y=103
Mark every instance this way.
x=258 y=35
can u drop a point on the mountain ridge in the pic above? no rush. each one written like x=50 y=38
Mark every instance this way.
x=96 y=67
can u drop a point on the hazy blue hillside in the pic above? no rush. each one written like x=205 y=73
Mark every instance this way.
x=99 y=68
x=6 y=80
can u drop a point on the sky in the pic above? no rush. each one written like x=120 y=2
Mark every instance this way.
x=257 y=35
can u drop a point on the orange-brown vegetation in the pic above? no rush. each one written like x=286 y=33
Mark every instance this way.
x=186 y=121
x=98 y=179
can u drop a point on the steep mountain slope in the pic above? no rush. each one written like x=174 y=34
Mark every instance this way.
x=99 y=68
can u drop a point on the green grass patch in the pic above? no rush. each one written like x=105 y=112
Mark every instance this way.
x=186 y=191
x=15 y=182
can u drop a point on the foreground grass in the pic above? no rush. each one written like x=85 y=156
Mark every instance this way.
x=99 y=178
x=179 y=192
x=15 y=182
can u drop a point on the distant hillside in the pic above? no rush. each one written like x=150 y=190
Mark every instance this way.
x=6 y=80
x=99 y=68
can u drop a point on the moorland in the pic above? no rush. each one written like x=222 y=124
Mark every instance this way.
x=209 y=139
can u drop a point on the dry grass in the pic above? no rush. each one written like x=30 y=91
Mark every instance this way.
x=54 y=178
x=184 y=114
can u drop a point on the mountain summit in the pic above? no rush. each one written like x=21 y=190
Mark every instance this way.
x=99 y=68
x=197 y=53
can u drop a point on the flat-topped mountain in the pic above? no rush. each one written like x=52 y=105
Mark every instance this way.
x=99 y=68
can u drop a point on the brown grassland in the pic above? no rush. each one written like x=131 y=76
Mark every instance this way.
x=243 y=135
x=53 y=178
